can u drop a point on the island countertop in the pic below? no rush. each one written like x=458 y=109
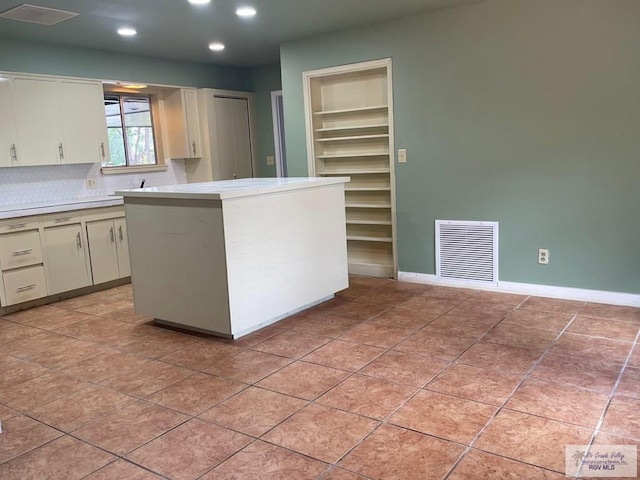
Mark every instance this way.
x=226 y=189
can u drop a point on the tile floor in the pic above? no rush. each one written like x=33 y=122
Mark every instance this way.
x=386 y=381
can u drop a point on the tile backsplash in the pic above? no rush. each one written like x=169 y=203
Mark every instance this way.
x=57 y=184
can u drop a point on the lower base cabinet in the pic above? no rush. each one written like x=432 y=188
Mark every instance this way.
x=109 y=250
x=66 y=258
x=50 y=254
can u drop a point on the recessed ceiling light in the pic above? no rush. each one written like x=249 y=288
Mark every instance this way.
x=127 y=31
x=246 y=12
x=199 y=2
x=216 y=46
x=134 y=86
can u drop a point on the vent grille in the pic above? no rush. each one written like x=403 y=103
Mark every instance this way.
x=467 y=251
x=36 y=14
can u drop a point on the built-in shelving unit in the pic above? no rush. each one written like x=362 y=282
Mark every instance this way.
x=350 y=133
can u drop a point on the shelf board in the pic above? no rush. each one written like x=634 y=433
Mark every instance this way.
x=358 y=127
x=368 y=205
x=353 y=137
x=352 y=155
x=356 y=171
x=365 y=238
x=352 y=110
x=367 y=189
x=368 y=222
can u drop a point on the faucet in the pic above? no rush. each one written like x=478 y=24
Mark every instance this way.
x=142 y=183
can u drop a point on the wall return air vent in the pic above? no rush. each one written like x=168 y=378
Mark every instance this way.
x=37 y=14
x=467 y=251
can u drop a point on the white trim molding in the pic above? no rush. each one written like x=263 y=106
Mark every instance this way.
x=565 y=293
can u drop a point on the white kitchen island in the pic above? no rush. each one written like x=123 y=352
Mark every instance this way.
x=230 y=257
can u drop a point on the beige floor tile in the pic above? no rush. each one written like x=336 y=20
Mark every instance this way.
x=63 y=459
x=480 y=465
x=530 y=439
x=130 y=427
x=394 y=452
x=444 y=416
x=190 y=450
x=559 y=402
x=344 y=355
x=303 y=380
x=405 y=368
x=474 y=383
x=321 y=432
x=21 y=434
x=79 y=408
x=261 y=461
x=248 y=366
x=367 y=396
x=196 y=393
x=254 y=411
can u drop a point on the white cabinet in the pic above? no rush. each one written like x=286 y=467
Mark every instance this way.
x=109 y=251
x=38 y=121
x=350 y=133
x=181 y=114
x=84 y=122
x=66 y=261
x=51 y=120
x=8 y=135
x=21 y=263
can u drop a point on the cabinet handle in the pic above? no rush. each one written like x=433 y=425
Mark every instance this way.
x=193 y=144
x=25 y=288
x=113 y=239
x=62 y=219
x=79 y=241
x=14 y=155
x=16 y=226
x=120 y=233
x=26 y=251
x=61 y=151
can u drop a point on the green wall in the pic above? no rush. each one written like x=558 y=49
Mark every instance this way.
x=517 y=111
x=264 y=80
x=81 y=62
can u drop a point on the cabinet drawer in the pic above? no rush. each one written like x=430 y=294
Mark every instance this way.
x=17 y=225
x=24 y=284
x=62 y=218
x=20 y=249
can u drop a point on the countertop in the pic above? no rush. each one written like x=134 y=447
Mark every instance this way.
x=18 y=211
x=226 y=189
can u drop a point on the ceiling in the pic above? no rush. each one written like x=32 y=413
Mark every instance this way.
x=175 y=29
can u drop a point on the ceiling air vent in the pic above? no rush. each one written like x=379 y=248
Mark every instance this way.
x=467 y=251
x=36 y=14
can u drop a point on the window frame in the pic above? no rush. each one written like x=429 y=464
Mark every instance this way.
x=155 y=131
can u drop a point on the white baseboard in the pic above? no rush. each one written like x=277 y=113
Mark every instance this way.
x=566 y=293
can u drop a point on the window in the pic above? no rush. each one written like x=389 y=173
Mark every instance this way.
x=130 y=129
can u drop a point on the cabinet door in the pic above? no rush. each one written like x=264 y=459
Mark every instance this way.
x=124 y=267
x=234 y=139
x=84 y=122
x=38 y=122
x=190 y=103
x=8 y=136
x=65 y=258
x=103 y=251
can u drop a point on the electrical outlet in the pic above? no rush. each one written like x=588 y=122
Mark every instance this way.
x=402 y=155
x=91 y=182
x=271 y=160
x=543 y=256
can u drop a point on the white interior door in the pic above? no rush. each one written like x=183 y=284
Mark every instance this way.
x=234 y=137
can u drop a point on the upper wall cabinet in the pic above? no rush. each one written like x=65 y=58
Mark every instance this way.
x=8 y=135
x=181 y=112
x=49 y=121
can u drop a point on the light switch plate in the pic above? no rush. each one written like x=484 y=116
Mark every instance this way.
x=402 y=155
x=271 y=160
